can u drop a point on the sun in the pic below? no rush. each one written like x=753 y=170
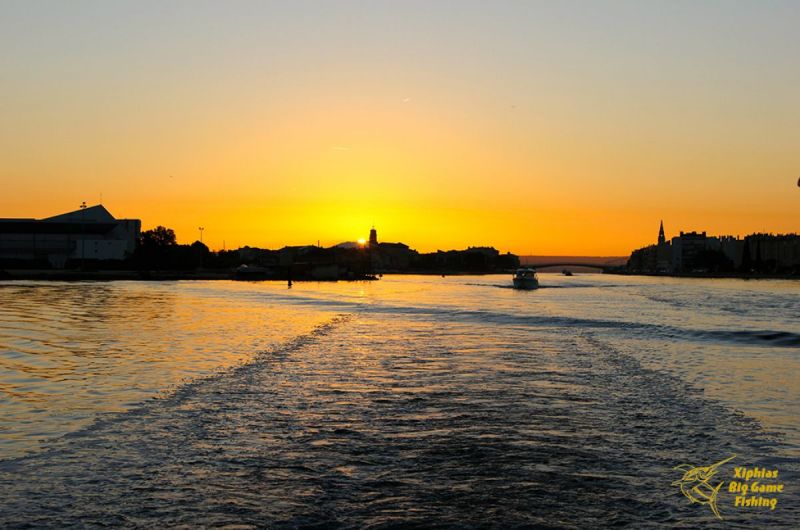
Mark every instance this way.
x=362 y=241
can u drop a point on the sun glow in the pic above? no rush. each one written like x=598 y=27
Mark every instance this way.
x=362 y=242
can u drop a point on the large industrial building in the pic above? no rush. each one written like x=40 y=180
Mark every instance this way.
x=89 y=233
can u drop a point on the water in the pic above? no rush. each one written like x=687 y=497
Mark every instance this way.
x=411 y=401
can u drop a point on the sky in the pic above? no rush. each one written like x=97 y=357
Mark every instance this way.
x=560 y=128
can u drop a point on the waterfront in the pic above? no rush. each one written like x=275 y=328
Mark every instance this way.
x=413 y=400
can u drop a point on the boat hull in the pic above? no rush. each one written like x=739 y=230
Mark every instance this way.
x=526 y=283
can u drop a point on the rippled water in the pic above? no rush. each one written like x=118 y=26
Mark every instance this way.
x=411 y=401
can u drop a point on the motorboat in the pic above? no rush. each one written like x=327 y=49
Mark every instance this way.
x=525 y=278
x=566 y=272
x=251 y=272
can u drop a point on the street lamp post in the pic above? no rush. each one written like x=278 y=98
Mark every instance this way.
x=200 y=250
x=83 y=235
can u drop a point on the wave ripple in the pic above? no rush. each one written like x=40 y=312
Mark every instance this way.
x=370 y=422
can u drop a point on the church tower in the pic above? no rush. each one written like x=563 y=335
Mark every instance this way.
x=373 y=237
x=661 y=238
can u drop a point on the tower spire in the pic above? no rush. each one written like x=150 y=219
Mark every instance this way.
x=661 y=238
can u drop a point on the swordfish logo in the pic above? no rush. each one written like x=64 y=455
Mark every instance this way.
x=696 y=484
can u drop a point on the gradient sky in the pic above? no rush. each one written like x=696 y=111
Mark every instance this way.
x=536 y=127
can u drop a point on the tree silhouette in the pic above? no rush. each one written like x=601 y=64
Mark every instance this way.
x=200 y=248
x=158 y=237
x=156 y=249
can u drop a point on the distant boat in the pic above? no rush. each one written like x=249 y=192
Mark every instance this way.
x=250 y=272
x=566 y=272
x=526 y=278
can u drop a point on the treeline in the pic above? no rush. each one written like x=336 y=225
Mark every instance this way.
x=158 y=249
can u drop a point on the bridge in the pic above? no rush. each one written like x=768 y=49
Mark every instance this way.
x=566 y=264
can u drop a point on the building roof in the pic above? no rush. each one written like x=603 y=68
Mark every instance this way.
x=90 y=214
x=92 y=220
x=393 y=245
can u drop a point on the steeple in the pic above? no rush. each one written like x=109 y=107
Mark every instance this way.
x=661 y=238
x=373 y=237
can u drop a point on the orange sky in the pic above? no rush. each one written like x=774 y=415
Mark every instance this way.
x=536 y=128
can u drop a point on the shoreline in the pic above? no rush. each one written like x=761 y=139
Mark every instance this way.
x=128 y=275
x=711 y=275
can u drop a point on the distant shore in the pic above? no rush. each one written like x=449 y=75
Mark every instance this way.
x=732 y=275
x=108 y=275
x=128 y=275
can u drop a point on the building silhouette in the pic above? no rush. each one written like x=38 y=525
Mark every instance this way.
x=89 y=233
x=686 y=250
x=699 y=252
